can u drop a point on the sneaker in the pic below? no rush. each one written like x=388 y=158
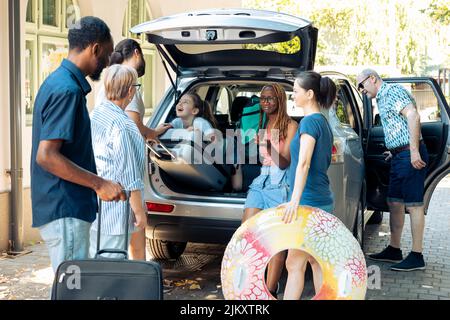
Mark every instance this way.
x=390 y=254
x=414 y=261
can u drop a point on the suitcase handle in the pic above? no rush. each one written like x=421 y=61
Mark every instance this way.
x=100 y=252
x=127 y=218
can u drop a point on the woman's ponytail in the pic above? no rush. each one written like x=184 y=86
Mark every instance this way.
x=117 y=58
x=124 y=50
x=327 y=92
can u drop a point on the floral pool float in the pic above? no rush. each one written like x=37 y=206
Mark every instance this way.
x=315 y=232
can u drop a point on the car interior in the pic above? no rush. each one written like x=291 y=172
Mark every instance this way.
x=227 y=100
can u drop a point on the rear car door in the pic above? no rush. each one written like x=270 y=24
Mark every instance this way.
x=434 y=113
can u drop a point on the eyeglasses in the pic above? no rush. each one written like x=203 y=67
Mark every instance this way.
x=268 y=99
x=361 y=84
x=137 y=86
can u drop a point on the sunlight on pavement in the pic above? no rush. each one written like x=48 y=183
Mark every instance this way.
x=42 y=276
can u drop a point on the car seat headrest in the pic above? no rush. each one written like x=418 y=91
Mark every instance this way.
x=237 y=106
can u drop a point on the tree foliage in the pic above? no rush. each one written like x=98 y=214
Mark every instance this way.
x=398 y=33
x=439 y=11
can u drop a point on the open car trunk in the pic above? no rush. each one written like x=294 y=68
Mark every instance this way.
x=232 y=38
x=216 y=45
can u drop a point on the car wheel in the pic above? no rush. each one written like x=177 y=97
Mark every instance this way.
x=358 y=229
x=376 y=218
x=166 y=250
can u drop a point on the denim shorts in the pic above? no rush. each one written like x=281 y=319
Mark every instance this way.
x=66 y=239
x=406 y=184
x=268 y=190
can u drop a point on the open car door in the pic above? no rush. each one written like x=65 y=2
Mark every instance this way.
x=435 y=118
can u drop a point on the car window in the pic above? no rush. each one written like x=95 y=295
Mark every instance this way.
x=358 y=100
x=221 y=97
x=292 y=110
x=223 y=104
x=344 y=111
x=426 y=101
x=427 y=104
x=341 y=108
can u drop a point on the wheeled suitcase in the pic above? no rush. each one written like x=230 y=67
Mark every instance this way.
x=106 y=278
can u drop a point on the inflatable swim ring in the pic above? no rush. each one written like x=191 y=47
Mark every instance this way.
x=315 y=232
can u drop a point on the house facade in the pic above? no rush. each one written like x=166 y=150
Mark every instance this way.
x=43 y=32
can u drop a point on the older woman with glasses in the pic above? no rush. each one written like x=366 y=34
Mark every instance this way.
x=119 y=150
x=128 y=52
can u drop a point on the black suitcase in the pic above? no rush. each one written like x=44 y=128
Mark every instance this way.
x=108 y=279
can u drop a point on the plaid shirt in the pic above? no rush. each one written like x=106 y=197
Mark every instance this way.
x=391 y=100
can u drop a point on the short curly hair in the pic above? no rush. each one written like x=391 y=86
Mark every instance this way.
x=87 y=31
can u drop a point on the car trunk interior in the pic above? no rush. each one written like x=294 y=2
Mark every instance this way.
x=227 y=100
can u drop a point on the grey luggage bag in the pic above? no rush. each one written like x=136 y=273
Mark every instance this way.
x=108 y=279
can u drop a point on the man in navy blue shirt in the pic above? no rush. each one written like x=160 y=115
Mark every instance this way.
x=64 y=184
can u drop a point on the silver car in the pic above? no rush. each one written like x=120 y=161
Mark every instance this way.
x=226 y=56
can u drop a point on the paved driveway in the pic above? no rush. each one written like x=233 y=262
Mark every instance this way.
x=196 y=276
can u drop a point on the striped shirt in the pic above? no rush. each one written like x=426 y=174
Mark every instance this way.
x=391 y=100
x=119 y=151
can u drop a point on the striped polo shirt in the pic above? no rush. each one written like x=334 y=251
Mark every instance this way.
x=391 y=100
x=119 y=151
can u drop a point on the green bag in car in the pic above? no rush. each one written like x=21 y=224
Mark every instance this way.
x=249 y=121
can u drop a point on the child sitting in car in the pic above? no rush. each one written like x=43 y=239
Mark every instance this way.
x=193 y=113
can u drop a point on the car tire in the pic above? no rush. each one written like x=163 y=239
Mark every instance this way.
x=165 y=250
x=376 y=218
x=358 y=228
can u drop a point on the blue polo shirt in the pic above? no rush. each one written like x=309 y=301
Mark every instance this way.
x=60 y=113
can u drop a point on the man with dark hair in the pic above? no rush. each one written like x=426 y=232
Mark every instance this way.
x=89 y=31
x=64 y=184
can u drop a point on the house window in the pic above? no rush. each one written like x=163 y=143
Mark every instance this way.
x=30 y=72
x=136 y=13
x=46 y=43
x=50 y=13
x=52 y=52
x=71 y=13
x=31 y=17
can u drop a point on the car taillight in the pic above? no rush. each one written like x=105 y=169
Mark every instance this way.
x=158 y=207
x=337 y=152
x=334 y=150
